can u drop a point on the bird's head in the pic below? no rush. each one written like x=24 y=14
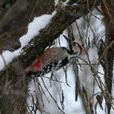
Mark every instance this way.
x=76 y=48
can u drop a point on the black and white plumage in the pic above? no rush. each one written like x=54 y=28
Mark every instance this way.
x=53 y=59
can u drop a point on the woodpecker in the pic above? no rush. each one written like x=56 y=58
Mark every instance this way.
x=53 y=59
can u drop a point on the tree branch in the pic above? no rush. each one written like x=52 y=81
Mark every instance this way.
x=66 y=15
x=14 y=20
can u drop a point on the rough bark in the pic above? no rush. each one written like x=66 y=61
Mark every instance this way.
x=108 y=12
x=13 y=89
x=13 y=81
x=14 y=20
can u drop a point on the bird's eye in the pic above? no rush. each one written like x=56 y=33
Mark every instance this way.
x=74 y=43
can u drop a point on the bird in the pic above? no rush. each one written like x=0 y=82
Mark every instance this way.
x=52 y=59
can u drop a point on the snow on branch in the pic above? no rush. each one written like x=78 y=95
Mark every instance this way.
x=33 y=29
x=43 y=30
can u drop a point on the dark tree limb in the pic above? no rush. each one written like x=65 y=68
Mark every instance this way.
x=14 y=20
x=64 y=17
x=13 y=88
x=107 y=60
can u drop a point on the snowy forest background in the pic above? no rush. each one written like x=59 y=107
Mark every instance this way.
x=84 y=86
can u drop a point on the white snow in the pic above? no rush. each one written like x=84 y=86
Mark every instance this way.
x=34 y=28
x=71 y=107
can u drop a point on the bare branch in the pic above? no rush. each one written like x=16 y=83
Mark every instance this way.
x=62 y=19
